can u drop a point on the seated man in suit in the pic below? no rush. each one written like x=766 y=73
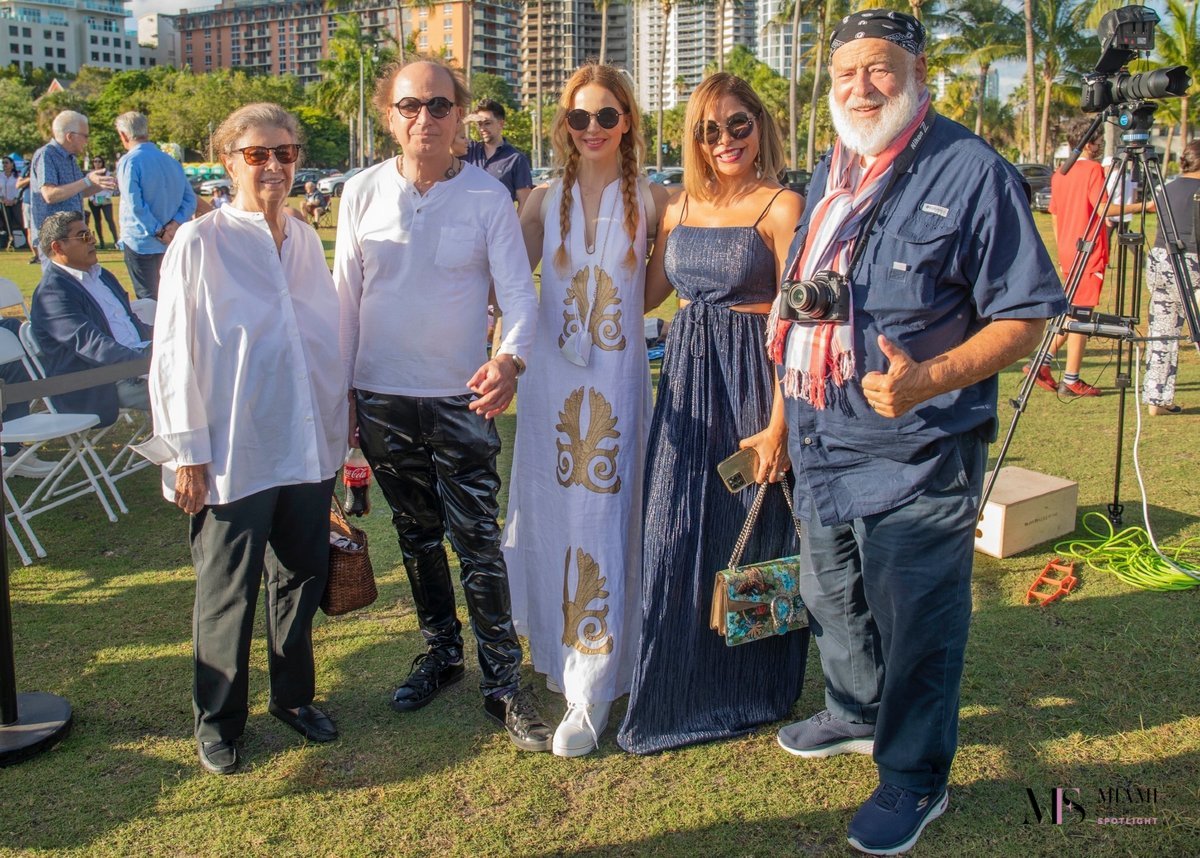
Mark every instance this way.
x=81 y=319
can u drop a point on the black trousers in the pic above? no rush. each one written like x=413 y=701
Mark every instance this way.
x=284 y=532
x=435 y=461
x=102 y=212
x=144 y=272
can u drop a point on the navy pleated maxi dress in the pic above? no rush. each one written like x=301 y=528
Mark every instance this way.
x=716 y=388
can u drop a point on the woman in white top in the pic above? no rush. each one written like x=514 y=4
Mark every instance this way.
x=248 y=394
x=573 y=539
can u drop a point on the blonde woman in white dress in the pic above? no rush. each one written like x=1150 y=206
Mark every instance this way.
x=573 y=539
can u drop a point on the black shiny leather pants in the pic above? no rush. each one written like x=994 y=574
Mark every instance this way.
x=435 y=461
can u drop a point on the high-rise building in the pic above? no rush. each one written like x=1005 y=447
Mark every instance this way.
x=775 y=38
x=694 y=36
x=63 y=35
x=292 y=38
x=160 y=41
x=570 y=37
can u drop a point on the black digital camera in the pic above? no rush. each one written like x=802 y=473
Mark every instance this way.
x=825 y=297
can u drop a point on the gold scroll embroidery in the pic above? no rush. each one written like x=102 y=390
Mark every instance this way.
x=604 y=322
x=585 y=629
x=581 y=459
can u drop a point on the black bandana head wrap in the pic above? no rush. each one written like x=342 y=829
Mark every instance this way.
x=895 y=27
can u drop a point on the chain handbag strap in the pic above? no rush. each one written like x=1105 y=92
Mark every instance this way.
x=752 y=518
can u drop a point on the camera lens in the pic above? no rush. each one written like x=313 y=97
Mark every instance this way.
x=1159 y=83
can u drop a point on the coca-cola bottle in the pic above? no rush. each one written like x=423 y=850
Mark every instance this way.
x=356 y=474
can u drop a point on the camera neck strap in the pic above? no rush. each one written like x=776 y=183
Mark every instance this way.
x=900 y=166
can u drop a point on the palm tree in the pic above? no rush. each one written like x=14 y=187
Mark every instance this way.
x=355 y=57
x=1065 y=51
x=601 y=6
x=1030 y=82
x=791 y=13
x=983 y=32
x=338 y=5
x=915 y=6
x=1179 y=45
x=825 y=11
x=666 y=7
x=722 y=6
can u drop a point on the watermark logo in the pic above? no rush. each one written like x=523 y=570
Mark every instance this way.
x=1125 y=804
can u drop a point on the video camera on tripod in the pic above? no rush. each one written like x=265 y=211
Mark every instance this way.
x=1123 y=34
x=1112 y=92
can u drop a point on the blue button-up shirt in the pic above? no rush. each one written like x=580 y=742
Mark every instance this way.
x=507 y=164
x=954 y=248
x=154 y=192
x=53 y=165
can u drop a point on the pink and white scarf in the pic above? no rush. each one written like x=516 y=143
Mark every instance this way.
x=816 y=353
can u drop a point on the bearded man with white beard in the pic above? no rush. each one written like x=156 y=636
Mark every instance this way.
x=890 y=406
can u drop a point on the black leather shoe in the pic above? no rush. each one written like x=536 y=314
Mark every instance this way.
x=220 y=758
x=431 y=672
x=309 y=721
x=517 y=712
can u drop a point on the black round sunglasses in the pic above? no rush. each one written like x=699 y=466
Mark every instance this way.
x=606 y=117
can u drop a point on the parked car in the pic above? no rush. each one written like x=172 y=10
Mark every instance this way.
x=796 y=180
x=1041 y=200
x=1036 y=175
x=302 y=178
x=668 y=176
x=334 y=184
x=207 y=188
x=541 y=175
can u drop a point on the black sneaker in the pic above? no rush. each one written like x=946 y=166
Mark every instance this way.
x=517 y=712
x=893 y=818
x=431 y=672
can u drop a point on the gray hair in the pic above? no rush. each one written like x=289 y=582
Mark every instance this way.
x=56 y=227
x=67 y=120
x=133 y=125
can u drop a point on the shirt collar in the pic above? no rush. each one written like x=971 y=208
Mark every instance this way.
x=93 y=271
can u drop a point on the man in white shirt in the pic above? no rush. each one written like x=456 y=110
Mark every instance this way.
x=81 y=319
x=420 y=238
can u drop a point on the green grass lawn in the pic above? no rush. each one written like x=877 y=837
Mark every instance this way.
x=1095 y=692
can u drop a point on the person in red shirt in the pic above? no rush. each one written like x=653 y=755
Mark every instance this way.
x=1073 y=199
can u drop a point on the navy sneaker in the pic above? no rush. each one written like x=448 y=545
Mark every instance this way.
x=893 y=818
x=823 y=735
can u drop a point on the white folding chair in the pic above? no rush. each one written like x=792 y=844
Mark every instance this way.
x=36 y=430
x=133 y=426
x=144 y=309
x=12 y=296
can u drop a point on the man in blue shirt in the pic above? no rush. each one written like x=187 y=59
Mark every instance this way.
x=156 y=198
x=56 y=183
x=494 y=154
x=890 y=411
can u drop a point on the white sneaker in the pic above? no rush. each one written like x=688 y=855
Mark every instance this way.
x=580 y=730
x=31 y=467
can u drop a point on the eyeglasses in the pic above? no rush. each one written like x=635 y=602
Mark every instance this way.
x=80 y=133
x=256 y=156
x=606 y=117
x=86 y=235
x=740 y=126
x=438 y=107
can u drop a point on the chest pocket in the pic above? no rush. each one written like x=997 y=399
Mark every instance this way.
x=914 y=254
x=458 y=246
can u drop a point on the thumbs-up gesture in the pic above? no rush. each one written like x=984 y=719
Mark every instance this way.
x=905 y=384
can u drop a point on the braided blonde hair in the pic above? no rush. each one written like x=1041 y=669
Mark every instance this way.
x=632 y=152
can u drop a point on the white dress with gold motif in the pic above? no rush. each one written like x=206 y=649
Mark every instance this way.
x=573 y=536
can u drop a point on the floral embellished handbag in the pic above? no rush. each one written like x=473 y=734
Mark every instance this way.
x=759 y=600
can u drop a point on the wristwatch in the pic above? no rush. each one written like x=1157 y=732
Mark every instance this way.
x=519 y=364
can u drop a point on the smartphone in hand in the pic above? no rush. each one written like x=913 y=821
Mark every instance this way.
x=737 y=472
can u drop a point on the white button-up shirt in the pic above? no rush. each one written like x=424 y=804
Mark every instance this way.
x=413 y=272
x=247 y=376
x=123 y=330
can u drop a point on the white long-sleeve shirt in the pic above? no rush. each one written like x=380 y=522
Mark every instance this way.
x=247 y=375
x=412 y=274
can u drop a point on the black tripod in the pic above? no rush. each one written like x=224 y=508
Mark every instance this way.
x=1135 y=119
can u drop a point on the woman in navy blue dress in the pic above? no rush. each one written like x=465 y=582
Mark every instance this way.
x=721 y=246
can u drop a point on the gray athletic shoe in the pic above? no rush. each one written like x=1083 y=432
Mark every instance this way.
x=823 y=735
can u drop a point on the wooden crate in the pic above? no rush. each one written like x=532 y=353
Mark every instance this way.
x=1026 y=508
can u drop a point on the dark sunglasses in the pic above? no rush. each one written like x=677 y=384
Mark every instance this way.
x=606 y=117
x=438 y=107
x=739 y=126
x=256 y=156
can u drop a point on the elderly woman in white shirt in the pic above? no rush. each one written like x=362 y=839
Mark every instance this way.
x=248 y=394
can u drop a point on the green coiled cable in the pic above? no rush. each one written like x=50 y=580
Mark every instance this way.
x=1131 y=557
